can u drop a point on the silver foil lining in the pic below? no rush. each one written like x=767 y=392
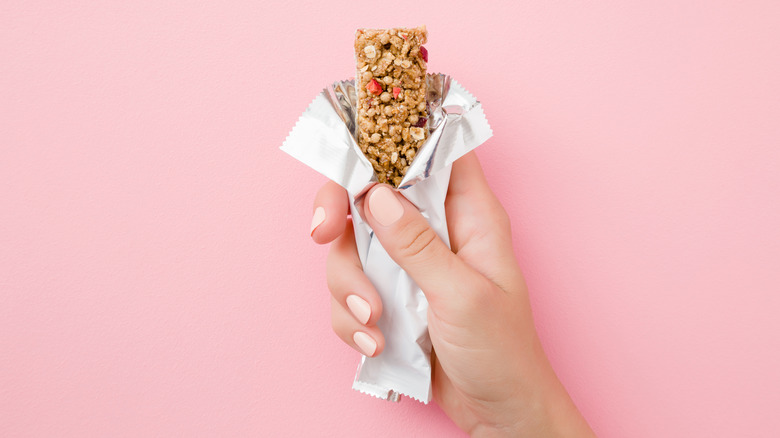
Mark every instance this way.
x=324 y=139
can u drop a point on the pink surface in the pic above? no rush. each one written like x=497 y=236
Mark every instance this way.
x=156 y=274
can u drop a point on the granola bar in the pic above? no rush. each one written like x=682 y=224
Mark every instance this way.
x=392 y=110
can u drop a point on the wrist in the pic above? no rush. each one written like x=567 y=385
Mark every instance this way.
x=555 y=418
x=543 y=410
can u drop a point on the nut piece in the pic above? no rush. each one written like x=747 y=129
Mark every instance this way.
x=370 y=52
x=417 y=133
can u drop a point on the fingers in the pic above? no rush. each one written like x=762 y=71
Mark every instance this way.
x=479 y=228
x=366 y=340
x=408 y=238
x=331 y=207
x=355 y=304
x=348 y=285
x=467 y=177
x=469 y=196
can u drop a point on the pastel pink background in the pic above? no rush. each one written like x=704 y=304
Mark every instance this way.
x=156 y=274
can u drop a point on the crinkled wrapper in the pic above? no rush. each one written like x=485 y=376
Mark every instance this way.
x=324 y=138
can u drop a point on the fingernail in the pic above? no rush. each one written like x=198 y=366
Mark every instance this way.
x=384 y=206
x=359 y=307
x=365 y=342
x=317 y=219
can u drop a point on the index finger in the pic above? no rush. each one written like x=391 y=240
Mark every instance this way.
x=331 y=206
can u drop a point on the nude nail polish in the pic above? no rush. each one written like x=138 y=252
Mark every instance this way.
x=317 y=219
x=360 y=308
x=365 y=342
x=385 y=206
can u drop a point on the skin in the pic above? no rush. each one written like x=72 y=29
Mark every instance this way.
x=491 y=375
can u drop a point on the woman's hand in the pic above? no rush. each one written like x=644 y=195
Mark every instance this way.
x=490 y=373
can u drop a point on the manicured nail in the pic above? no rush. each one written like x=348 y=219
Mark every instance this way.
x=365 y=342
x=317 y=219
x=385 y=206
x=359 y=307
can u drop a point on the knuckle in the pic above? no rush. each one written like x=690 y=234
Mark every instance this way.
x=334 y=325
x=419 y=241
x=336 y=286
x=332 y=280
x=334 y=272
x=501 y=218
x=336 y=321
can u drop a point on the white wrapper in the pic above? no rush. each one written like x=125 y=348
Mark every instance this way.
x=323 y=138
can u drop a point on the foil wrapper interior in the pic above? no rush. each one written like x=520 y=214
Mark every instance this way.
x=324 y=139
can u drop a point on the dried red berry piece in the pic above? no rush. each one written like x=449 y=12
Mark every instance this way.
x=424 y=53
x=421 y=122
x=374 y=87
x=396 y=92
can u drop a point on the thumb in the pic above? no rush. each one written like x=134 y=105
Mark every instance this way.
x=407 y=237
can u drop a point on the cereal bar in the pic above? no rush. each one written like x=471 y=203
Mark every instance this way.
x=392 y=114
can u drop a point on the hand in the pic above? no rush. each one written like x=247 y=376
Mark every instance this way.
x=490 y=373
